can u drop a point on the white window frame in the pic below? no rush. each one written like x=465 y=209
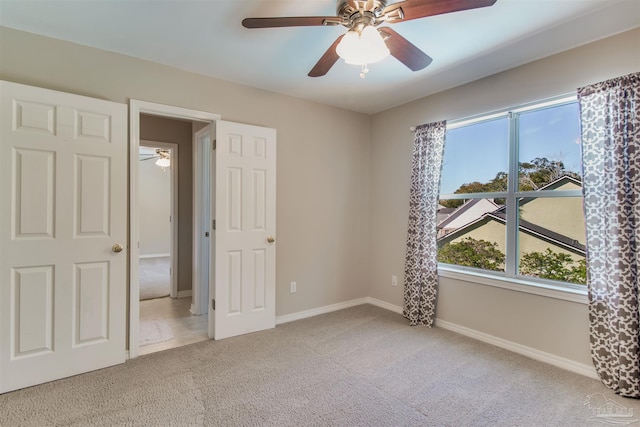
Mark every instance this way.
x=510 y=279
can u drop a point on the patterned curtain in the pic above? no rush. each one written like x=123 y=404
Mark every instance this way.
x=421 y=265
x=610 y=116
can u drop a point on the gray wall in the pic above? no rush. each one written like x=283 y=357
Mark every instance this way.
x=550 y=325
x=323 y=155
x=154 y=128
x=343 y=177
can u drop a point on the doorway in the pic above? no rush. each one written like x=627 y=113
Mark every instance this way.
x=167 y=320
x=241 y=257
x=166 y=316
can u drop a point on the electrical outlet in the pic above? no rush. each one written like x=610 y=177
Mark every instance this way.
x=294 y=287
x=394 y=280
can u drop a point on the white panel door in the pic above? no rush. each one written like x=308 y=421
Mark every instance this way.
x=202 y=220
x=63 y=206
x=245 y=209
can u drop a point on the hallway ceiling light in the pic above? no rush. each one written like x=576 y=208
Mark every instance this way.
x=163 y=162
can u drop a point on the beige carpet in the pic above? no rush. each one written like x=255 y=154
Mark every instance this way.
x=358 y=367
x=154 y=279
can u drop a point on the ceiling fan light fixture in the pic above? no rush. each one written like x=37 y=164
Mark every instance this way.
x=163 y=162
x=362 y=48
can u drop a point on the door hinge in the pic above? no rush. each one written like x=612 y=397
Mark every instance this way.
x=213 y=224
x=213 y=304
x=206 y=234
x=214 y=144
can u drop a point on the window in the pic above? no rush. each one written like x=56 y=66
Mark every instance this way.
x=510 y=195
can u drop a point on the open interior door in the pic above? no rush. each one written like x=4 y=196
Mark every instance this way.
x=202 y=225
x=244 y=275
x=63 y=234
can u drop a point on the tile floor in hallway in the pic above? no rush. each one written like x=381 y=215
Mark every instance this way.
x=167 y=323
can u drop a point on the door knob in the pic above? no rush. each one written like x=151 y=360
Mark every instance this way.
x=117 y=248
x=271 y=239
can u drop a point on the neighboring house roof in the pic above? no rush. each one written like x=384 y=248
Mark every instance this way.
x=559 y=182
x=546 y=234
x=457 y=213
x=445 y=211
x=564 y=179
x=525 y=227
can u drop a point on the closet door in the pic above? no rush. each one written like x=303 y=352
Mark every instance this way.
x=63 y=225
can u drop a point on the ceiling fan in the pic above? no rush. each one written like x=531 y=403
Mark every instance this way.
x=363 y=43
x=163 y=158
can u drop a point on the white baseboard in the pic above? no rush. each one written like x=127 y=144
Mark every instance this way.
x=320 y=310
x=154 y=256
x=552 y=359
x=183 y=294
x=384 y=304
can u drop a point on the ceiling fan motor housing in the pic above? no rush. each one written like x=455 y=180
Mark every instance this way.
x=357 y=14
x=349 y=7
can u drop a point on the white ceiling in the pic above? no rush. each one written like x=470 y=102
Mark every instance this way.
x=206 y=37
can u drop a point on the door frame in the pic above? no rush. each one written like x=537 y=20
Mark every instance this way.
x=173 y=209
x=137 y=107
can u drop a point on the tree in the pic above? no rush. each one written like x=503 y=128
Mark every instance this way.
x=541 y=171
x=470 y=252
x=452 y=203
x=554 y=266
x=533 y=175
x=482 y=254
x=499 y=183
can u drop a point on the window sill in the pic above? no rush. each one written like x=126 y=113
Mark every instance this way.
x=518 y=285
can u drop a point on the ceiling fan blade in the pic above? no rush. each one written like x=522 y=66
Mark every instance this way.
x=414 y=9
x=404 y=51
x=292 y=21
x=325 y=63
x=149 y=158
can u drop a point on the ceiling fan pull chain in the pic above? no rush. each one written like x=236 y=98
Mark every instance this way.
x=364 y=71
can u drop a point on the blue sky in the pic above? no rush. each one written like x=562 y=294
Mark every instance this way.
x=478 y=152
